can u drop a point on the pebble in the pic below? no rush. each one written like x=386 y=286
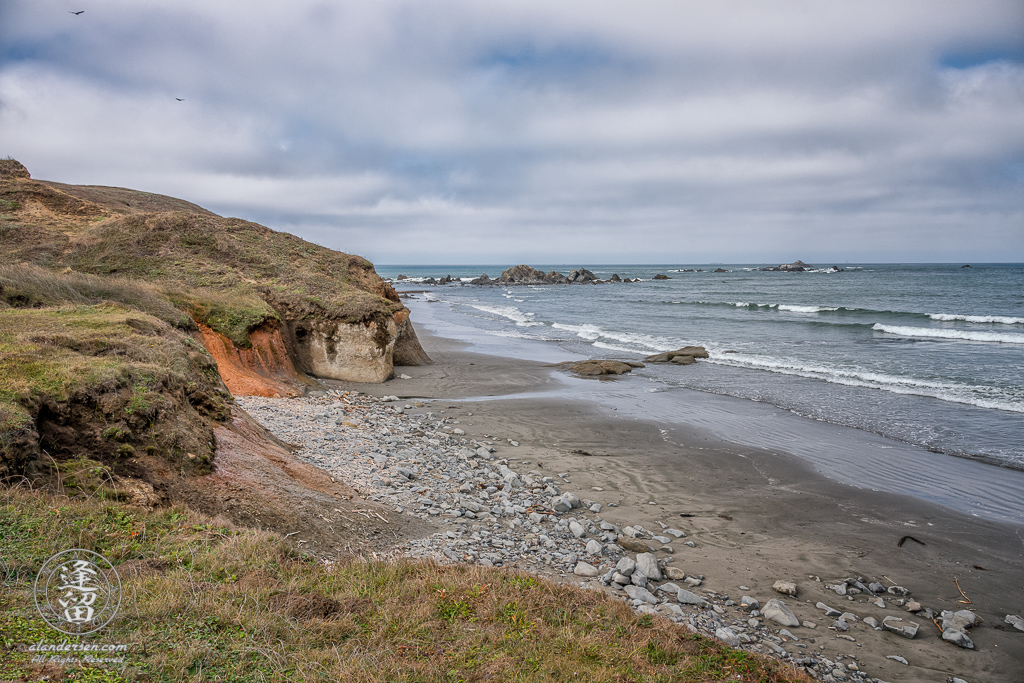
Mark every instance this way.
x=494 y=512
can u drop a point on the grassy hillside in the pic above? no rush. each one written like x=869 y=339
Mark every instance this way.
x=230 y=274
x=203 y=600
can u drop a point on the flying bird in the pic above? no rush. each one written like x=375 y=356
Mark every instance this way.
x=180 y=99
x=76 y=13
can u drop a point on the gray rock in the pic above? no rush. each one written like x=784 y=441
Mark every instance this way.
x=560 y=504
x=1015 y=621
x=675 y=532
x=594 y=547
x=958 y=621
x=584 y=569
x=777 y=611
x=626 y=566
x=693 y=581
x=907 y=629
x=958 y=638
x=727 y=636
x=648 y=564
x=572 y=499
x=897 y=658
x=876 y=587
x=685 y=597
x=639 y=593
x=620 y=579
x=749 y=602
x=669 y=588
x=638 y=578
x=576 y=529
x=840 y=625
x=784 y=587
x=872 y=622
x=829 y=611
x=898 y=590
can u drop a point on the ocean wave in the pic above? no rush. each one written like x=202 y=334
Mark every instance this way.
x=594 y=333
x=511 y=312
x=979 y=396
x=1000 y=319
x=793 y=308
x=613 y=347
x=928 y=332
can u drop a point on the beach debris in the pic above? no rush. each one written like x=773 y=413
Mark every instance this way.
x=777 y=611
x=1015 y=621
x=897 y=658
x=909 y=538
x=966 y=600
x=784 y=587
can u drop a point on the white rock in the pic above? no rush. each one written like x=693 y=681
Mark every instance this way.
x=639 y=593
x=576 y=529
x=777 y=611
x=594 y=547
x=784 y=587
x=584 y=569
x=1015 y=621
x=897 y=658
x=648 y=564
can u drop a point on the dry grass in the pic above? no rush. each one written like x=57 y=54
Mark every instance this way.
x=204 y=601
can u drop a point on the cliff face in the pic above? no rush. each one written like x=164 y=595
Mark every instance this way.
x=329 y=312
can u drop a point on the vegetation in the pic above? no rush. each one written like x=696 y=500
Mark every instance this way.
x=203 y=600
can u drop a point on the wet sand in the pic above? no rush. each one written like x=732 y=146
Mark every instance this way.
x=756 y=516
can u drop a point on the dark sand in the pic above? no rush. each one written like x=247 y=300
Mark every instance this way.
x=755 y=516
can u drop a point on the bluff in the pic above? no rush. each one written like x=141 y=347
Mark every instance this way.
x=128 y=319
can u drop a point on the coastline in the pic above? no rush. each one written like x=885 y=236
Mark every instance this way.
x=755 y=516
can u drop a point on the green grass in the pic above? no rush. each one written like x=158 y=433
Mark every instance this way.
x=203 y=600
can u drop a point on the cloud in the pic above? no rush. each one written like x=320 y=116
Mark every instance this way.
x=471 y=131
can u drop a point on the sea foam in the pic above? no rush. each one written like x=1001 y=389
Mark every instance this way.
x=928 y=332
x=999 y=319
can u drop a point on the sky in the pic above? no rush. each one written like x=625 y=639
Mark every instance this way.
x=543 y=131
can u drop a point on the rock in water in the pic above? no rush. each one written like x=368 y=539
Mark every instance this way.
x=683 y=356
x=777 y=611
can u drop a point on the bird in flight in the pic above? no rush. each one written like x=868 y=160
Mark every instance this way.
x=180 y=99
x=77 y=13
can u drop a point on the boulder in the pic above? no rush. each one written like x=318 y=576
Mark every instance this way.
x=585 y=569
x=638 y=593
x=677 y=356
x=785 y=587
x=482 y=280
x=648 y=564
x=685 y=597
x=777 y=611
x=595 y=368
x=661 y=276
x=625 y=566
x=633 y=544
x=615 y=278
x=907 y=629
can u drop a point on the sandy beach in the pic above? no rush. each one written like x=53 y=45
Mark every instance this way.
x=754 y=516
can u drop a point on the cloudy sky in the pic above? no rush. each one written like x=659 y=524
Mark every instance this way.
x=543 y=131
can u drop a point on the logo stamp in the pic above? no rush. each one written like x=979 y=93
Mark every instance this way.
x=77 y=592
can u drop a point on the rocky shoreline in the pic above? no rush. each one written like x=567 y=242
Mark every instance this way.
x=495 y=509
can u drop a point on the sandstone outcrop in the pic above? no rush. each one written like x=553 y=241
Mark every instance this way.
x=684 y=356
x=595 y=368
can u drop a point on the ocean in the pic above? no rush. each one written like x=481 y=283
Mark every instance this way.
x=928 y=355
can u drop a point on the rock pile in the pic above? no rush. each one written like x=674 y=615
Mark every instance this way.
x=594 y=368
x=687 y=355
x=501 y=512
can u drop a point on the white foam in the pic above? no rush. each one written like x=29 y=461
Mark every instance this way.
x=998 y=337
x=594 y=333
x=792 y=308
x=980 y=396
x=511 y=312
x=1000 y=319
x=613 y=347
